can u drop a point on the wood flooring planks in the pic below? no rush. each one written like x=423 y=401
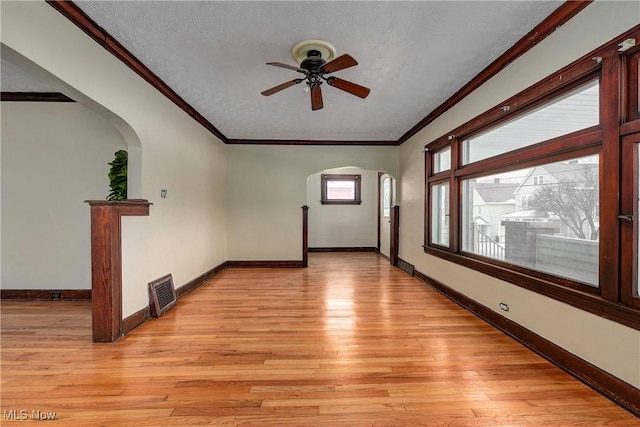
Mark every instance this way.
x=350 y=341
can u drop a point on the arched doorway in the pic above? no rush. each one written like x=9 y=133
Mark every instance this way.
x=360 y=226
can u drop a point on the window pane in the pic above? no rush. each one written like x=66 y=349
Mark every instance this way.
x=386 y=197
x=341 y=190
x=549 y=224
x=576 y=110
x=442 y=160
x=638 y=85
x=440 y=214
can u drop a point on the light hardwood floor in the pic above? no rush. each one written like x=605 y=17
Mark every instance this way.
x=349 y=341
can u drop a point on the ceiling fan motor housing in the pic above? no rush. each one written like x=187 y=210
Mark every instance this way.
x=313 y=61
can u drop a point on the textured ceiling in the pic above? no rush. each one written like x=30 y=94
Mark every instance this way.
x=413 y=55
x=14 y=79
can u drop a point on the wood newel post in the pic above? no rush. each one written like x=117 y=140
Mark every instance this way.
x=305 y=236
x=106 y=264
x=395 y=235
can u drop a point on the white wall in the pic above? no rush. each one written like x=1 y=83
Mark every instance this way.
x=185 y=234
x=344 y=225
x=608 y=345
x=54 y=157
x=267 y=187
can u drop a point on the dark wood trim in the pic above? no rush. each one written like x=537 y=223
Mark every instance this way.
x=613 y=388
x=629 y=128
x=345 y=249
x=106 y=264
x=46 y=294
x=305 y=236
x=379 y=213
x=265 y=264
x=631 y=83
x=610 y=162
x=580 y=299
x=308 y=142
x=394 y=244
x=192 y=285
x=559 y=17
x=34 y=97
x=136 y=319
x=72 y=12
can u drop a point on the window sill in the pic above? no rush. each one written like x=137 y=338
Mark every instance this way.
x=341 y=202
x=586 y=301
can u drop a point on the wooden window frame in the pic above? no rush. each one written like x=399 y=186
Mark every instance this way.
x=615 y=70
x=355 y=178
x=629 y=229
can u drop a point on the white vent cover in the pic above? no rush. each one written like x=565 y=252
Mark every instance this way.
x=162 y=295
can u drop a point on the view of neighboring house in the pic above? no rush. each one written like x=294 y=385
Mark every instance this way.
x=492 y=200
x=545 y=217
x=564 y=193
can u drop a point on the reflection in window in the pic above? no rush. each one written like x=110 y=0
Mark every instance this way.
x=442 y=160
x=554 y=228
x=386 y=197
x=340 y=189
x=575 y=110
x=440 y=217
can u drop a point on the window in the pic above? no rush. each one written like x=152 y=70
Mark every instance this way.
x=567 y=113
x=442 y=160
x=543 y=190
x=386 y=197
x=340 y=189
x=553 y=231
x=440 y=219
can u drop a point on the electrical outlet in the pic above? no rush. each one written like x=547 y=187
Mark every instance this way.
x=504 y=307
x=163 y=193
x=55 y=295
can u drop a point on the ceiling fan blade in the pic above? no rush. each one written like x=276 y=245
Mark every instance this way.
x=316 y=98
x=340 y=63
x=347 y=86
x=281 y=87
x=287 y=66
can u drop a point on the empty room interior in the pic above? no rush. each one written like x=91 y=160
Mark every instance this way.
x=328 y=213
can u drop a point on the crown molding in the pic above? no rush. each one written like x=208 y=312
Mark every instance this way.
x=559 y=17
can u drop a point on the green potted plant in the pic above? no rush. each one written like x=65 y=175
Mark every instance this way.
x=118 y=176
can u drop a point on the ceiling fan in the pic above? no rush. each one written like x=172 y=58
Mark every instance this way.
x=315 y=68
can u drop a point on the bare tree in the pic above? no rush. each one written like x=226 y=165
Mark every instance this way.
x=573 y=199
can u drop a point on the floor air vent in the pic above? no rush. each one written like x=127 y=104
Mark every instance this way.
x=162 y=295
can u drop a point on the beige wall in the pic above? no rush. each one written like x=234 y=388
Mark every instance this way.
x=344 y=225
x=186 y=233
x=606 y=344
x=54 y=157
x=267 y=186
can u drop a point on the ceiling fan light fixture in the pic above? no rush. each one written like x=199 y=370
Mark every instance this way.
x=301 y=50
